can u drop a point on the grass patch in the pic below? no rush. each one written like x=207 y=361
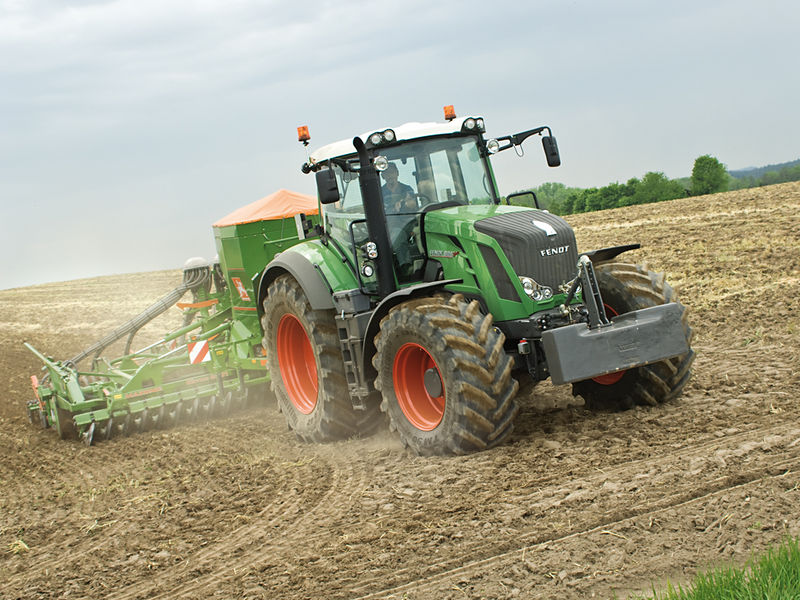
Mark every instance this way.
x=774 y=575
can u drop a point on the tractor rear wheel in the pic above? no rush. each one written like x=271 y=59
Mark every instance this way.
x=625 y=287
x=305 y=364
x=444 y=376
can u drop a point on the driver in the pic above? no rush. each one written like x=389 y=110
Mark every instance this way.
x=397 y=196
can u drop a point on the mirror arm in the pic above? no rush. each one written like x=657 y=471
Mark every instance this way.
x=517 y=138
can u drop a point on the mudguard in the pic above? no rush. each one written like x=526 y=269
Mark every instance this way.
x=308 y=275
x=606 y=254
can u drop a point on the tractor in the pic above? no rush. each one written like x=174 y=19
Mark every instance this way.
x=425 y=297
x=416 y=295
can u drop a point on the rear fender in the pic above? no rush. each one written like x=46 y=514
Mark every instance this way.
x=309 y=275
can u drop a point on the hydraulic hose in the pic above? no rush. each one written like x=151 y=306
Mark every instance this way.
x=192 y=279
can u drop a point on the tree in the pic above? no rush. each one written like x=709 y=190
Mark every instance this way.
x=551 y=195
x=656 y=187
x=709 y=176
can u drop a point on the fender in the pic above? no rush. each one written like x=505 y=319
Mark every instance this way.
x=309 y=276
x=606 y=254
x=401 y=295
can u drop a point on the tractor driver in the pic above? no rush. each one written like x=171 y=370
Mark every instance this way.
x=397 y=196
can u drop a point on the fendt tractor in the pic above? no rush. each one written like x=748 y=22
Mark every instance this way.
x=412 y=293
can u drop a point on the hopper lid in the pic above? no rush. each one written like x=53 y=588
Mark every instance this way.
x=279 y=205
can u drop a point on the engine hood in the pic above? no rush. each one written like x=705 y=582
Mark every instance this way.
x=538 y=244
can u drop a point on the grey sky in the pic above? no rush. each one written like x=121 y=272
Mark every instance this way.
x=128 y=127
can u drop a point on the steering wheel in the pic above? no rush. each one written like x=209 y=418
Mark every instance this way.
x=423 y=200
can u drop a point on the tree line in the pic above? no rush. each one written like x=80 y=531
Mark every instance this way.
x=782 y=175
x=709 y=176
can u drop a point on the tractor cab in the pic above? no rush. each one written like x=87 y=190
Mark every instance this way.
x=421 y=167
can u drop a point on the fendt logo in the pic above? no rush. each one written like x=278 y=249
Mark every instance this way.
x=554 y=251
x=548 y=229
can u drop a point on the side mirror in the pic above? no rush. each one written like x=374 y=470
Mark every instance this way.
x=326 y=186
x=551 y=151
x=523 y=199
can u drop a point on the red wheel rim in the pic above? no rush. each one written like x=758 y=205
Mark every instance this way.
x=610 y=378
x=422 y=410
x=297 y=363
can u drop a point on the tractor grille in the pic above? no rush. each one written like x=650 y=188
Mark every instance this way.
x=545 y=251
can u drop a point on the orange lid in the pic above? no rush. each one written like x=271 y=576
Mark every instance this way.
x=280 y=205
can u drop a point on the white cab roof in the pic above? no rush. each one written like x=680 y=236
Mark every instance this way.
x=408 y=131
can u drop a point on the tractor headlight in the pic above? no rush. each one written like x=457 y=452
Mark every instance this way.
x=371 y=248
x=380 y=163
x=473 y=125
x=528 y=285
x=493 y=146
x=382 y=137
x=534 y=290
x=367 y=270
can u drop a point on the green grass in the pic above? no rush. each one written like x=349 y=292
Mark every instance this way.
x=774 y=575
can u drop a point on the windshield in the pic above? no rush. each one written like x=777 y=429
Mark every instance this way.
x=419 y=174
x=434 y=171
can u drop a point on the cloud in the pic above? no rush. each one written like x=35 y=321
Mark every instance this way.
x=129 y=120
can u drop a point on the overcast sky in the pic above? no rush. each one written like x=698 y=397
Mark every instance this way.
x=128 y=127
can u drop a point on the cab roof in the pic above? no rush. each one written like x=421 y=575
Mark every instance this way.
x=408 y=131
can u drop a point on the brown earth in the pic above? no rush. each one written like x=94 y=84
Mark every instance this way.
x=577 y=504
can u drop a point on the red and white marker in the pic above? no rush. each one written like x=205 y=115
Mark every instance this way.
x=198 y=352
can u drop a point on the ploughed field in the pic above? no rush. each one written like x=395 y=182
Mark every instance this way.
x=577 y=503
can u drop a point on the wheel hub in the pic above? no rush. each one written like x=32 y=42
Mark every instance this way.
x=433 y=383
x=418 y=387
x=297 y=363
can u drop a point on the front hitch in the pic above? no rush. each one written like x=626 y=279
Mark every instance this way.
x=592 y=299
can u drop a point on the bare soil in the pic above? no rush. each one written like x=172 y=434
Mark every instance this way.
x=578 y=504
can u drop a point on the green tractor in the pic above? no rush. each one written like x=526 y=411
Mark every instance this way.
x=416 y=295
x=423 y=297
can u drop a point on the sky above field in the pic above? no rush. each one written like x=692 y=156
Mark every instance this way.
x=128 y=127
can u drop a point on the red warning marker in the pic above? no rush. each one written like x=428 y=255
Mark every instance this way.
x=198 y=352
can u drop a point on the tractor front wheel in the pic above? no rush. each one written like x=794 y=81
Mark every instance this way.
x=624 y=288
x=306 y=367
x=444 y=376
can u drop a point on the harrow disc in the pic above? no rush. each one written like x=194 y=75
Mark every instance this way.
x=88 y=435
x=226 y=401
x=108 y=429
x=211 y=407
x=124 y=427
x=193 y=410
x=160 y=416
x=138 y=422
x=173 y=414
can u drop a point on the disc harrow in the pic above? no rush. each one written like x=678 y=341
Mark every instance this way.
x=203 y=370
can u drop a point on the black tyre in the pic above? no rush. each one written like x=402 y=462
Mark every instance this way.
x=626 y=287
x=444 y=376
x=305 y=364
